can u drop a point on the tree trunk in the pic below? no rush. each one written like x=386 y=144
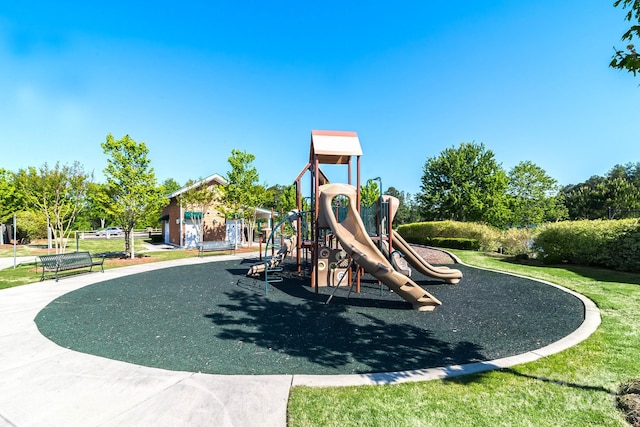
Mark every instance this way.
x=131 y=245
x=127 y=244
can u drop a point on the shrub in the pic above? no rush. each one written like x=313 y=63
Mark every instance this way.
x=415 y=233
x=607 y=243
x=157 y=238
x=487 y=238
x=30 y=226
x=456 y=243
x=517 y=242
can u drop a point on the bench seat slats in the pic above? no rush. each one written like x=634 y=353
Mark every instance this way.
x=218 y=245
x=69 y=261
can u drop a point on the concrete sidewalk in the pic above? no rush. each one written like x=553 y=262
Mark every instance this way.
x=43 y=384
x=7 y=262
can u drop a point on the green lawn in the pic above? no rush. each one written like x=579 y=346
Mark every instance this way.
x=91 y=245
x=114 y=248
x=576 y=387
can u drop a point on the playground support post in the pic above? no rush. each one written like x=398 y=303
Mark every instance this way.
x=15 y=241
x=379 y=224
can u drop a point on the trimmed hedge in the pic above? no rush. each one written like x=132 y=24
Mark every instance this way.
x=442 y=233
x=518 y=242
x=455 y=243
x=612 y=244
x=606 y=243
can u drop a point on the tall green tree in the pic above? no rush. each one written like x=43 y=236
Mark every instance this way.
x=59 y=193
x=615 y=195
x=287 y=201
x=629 y=172
x=622 y=191
x=628 y=59
x=622 y=198
x=243 y=194
x=408 y=210
x=31 y=224
x=96 y=215
x=131 y=184
x=170 y=186
x=585 y=200
x=151 y=216
x=369 y=193
x=533 y=196
x=464 y=184
x=284 y=198
x=11 y=201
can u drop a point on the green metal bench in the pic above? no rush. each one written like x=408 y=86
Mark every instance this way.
x=69 y=261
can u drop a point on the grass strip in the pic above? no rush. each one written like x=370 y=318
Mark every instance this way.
x=113 y=249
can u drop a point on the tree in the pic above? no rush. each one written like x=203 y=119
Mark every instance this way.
x=198 y=198
x=533 y=196
x=283 y=198
x=59 y=193
x=243 y=194
x=584 y=200
x=628 y=60
x=621 y=197
x=96 y=215
x=408 y=210
x=30 y=224
x=131 y=184
x=287 y=201
x=151 y=216
x=464 y=184
x=170 y=186
x=629 y=172
x=621 y=190
x=613 y=196
x=11 y=201
x=369 y=193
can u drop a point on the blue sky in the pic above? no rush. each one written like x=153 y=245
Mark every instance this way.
x=194 y=80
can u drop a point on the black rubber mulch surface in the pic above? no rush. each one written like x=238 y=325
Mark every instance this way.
x=211 y=318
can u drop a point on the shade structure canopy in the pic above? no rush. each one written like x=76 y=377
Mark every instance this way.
x=334 y=147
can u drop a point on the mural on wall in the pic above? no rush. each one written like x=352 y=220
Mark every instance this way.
x=235 y=231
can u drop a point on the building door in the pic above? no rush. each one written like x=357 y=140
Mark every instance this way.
x=191 y=238
x=165 y=225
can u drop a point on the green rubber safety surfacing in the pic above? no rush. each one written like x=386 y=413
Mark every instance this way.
x=211 y=318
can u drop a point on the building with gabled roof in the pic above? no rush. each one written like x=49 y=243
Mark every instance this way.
x=178 y=223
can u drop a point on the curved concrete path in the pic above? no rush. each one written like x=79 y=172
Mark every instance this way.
x=8 y=262
x=43 y=384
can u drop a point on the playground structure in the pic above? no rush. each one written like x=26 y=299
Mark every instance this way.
x=286 y=248
x=336 y=239
x=352 y=235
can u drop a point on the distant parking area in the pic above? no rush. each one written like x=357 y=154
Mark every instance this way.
x=96 y=235
x=110 y=232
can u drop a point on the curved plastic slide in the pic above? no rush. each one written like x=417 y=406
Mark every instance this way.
x=449 y=275
x=356 y=242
